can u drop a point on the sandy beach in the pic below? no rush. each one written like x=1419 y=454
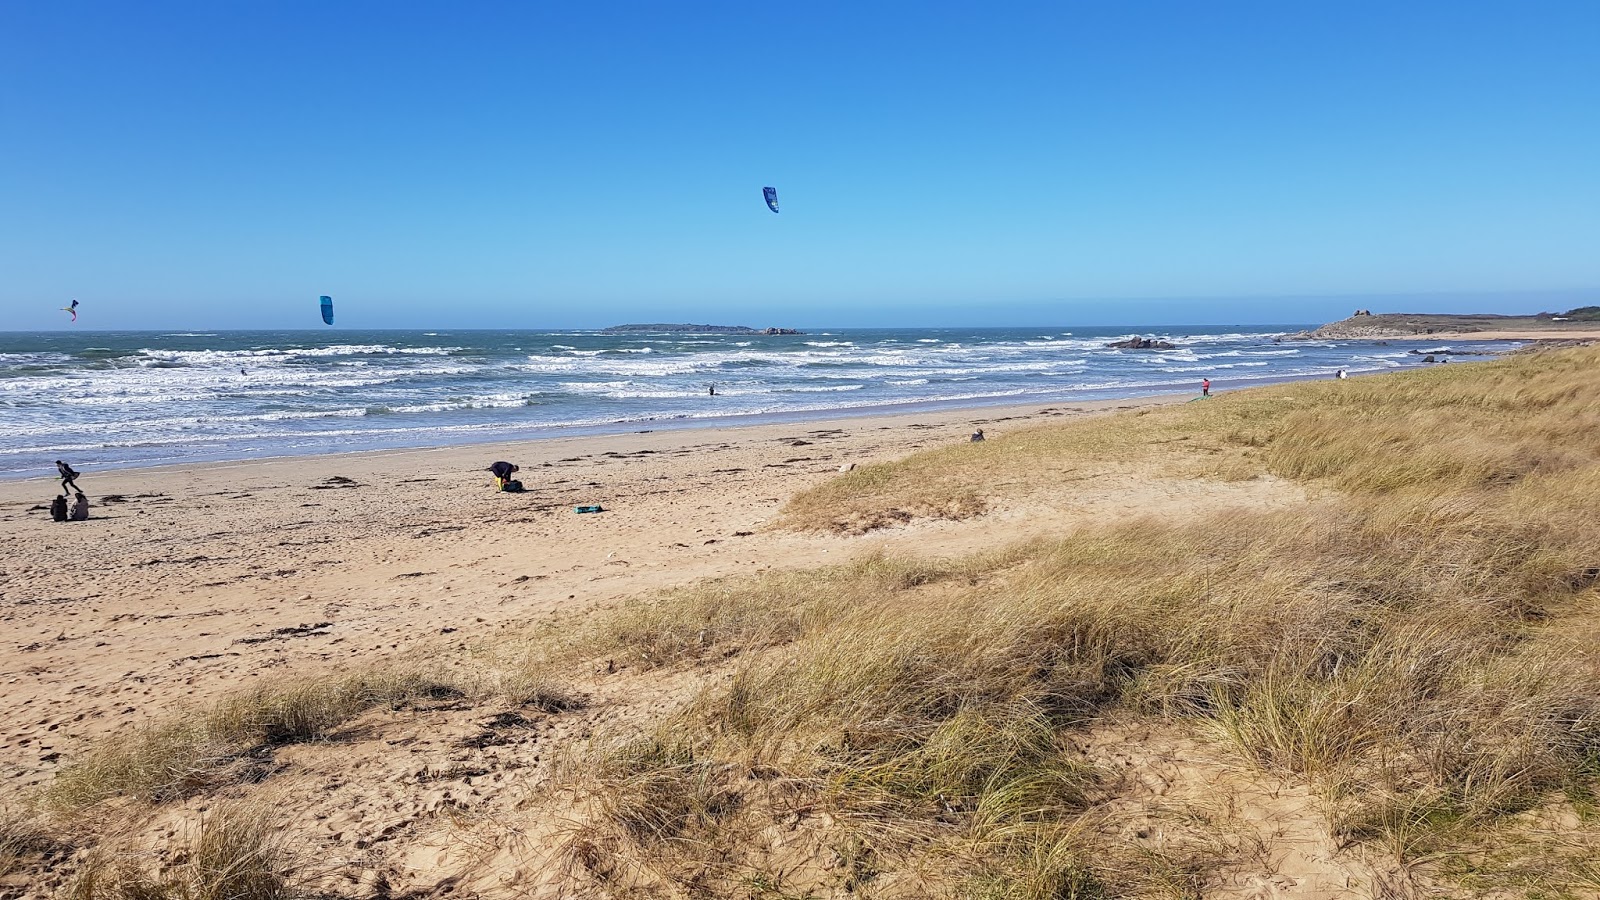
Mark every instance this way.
x=561 y=726
x=188 y=582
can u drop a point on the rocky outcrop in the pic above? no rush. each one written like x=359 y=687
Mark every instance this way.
x=1139 y=343
x=1365 y=325
x=781 y=331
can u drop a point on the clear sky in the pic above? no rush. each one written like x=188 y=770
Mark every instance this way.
x=521 y=164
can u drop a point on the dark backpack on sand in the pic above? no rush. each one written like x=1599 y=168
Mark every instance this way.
x=512 y=487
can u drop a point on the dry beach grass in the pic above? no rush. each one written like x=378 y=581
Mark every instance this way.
x=1388 y=688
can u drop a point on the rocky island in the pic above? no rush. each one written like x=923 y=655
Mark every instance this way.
x=1576 y=323
x=695 y=329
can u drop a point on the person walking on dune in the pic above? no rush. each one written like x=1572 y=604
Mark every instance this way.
x=69 y=478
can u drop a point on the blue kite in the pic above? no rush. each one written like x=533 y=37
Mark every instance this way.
x=327 y=309
x=772 y=197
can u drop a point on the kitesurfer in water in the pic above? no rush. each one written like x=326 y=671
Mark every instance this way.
x=713 y=390
x=69 y=478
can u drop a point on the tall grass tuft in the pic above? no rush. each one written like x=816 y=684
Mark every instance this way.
x=193 y=751
x=238 y=854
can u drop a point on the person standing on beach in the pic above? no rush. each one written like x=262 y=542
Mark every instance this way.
x=69 y=478
x=1205 y=387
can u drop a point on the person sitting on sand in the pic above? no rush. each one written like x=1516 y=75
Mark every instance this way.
x=69 y=478
x=977 y=436
x=502 y=473
x=1343 y=375
x=80 y=508
x=58 y=508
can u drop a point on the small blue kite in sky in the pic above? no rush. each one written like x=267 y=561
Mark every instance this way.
x=327 y=309
x=772 y=197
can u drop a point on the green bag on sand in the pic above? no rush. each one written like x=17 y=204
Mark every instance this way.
x=587 y=509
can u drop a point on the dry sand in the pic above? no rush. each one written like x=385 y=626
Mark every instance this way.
x=189 y=582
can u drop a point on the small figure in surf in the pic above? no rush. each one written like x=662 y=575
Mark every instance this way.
x=1205 y=387
x=80 y=509
x=69 y=478
x=713 y=390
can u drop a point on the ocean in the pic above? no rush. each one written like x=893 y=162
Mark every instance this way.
x=122 y=399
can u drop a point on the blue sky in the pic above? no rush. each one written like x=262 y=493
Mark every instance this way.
x=565 y=165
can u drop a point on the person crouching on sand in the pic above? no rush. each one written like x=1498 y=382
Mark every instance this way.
x=502 y=472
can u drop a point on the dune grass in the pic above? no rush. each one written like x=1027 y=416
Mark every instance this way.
x=1444 y=428
x=1411 y=643
x=226 y=741
x=237 y=854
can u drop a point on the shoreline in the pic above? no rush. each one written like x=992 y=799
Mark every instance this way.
x=665 y=433
x=513 y=436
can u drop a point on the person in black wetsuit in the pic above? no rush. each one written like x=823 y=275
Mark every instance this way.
x=69 y=478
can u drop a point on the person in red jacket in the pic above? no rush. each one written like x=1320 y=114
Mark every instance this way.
x=1205 y=387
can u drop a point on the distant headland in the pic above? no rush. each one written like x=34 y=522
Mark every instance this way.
x=1581 y=322
x=695 y=329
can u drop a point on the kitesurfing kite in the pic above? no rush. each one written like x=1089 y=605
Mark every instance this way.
x=327 y=309
x=772 y=197
x=72 y=309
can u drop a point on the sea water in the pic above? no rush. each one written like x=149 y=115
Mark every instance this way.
x=113 y=399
